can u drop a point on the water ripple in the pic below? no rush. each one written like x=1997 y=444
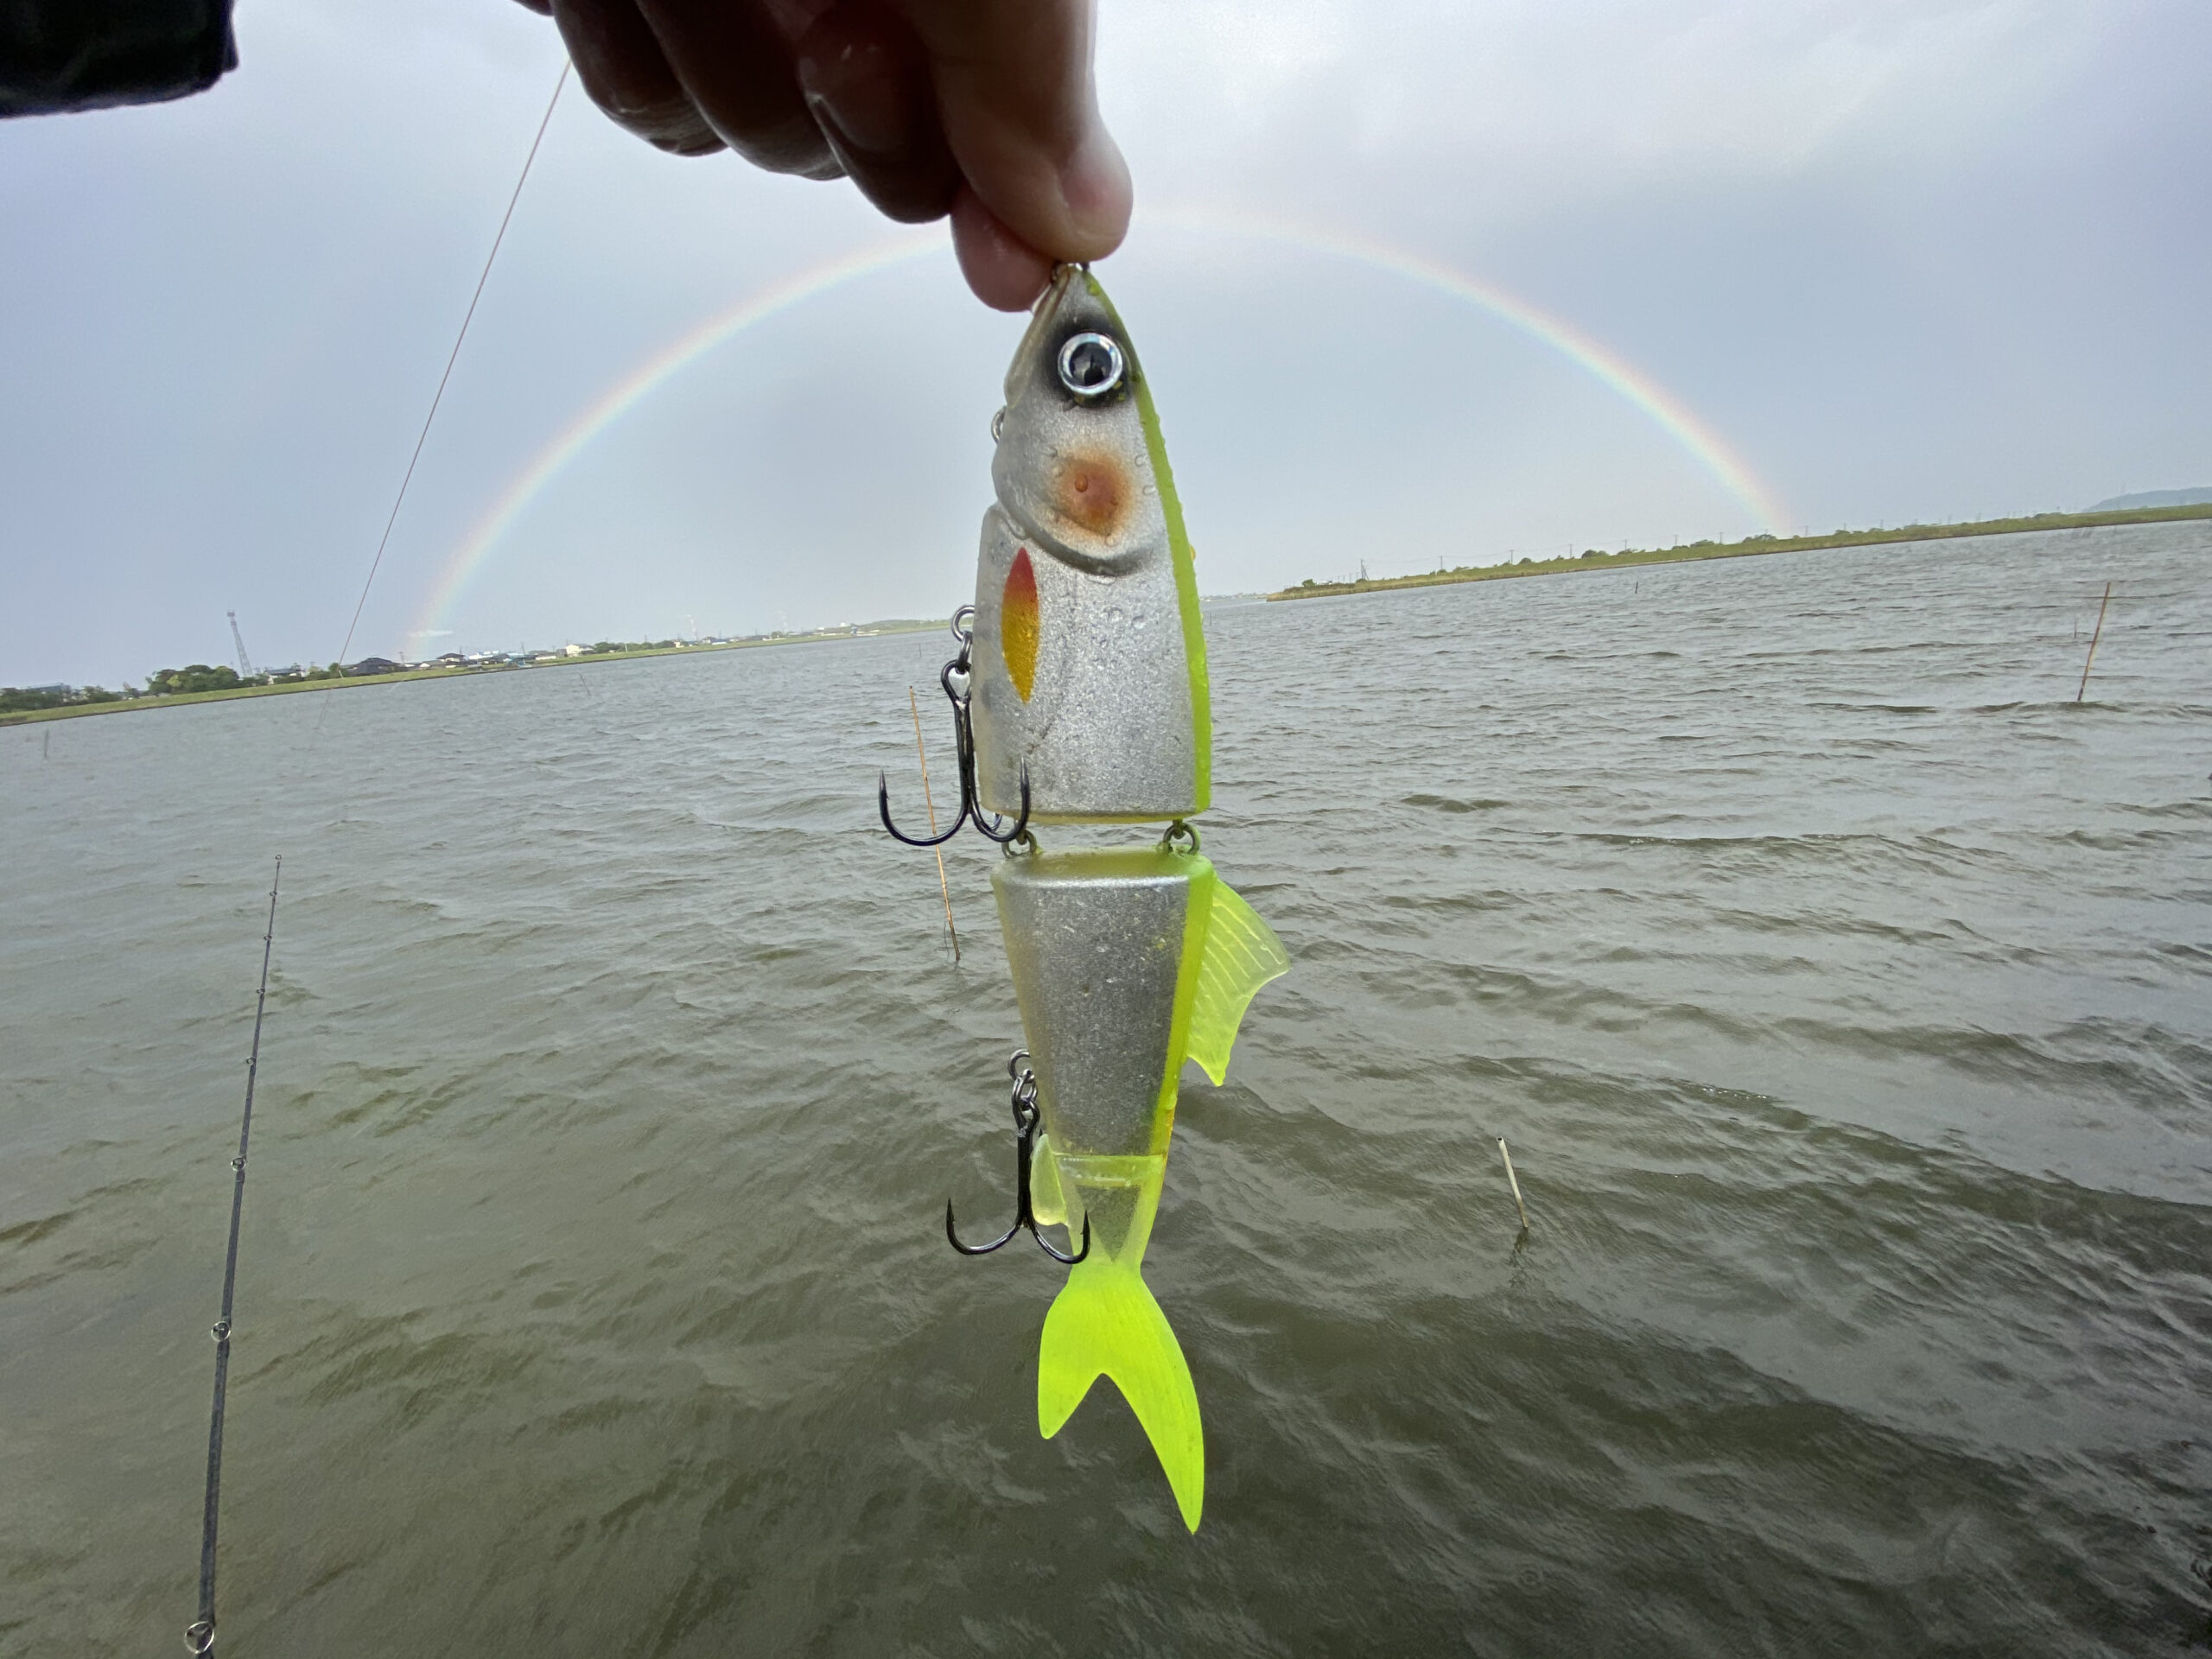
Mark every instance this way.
x=1838 y=983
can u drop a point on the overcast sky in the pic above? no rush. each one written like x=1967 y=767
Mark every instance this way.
x=1905 y=261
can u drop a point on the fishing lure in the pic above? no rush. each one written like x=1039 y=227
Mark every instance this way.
x=1080 y=696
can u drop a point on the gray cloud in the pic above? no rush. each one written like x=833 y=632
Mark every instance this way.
x=1908 y=260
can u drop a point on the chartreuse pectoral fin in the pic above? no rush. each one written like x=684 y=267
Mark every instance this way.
x=1105 y=1323
x=1242 y=954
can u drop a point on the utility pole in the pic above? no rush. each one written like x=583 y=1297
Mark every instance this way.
x=245 y=666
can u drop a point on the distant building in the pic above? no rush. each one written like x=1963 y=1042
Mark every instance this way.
x=375 y=665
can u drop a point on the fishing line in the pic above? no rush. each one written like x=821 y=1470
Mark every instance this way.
x=200 y=1635
x=451 y=357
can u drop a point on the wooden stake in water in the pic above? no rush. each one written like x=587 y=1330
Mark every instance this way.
x=2093 y=638
x=944 y=886
x=1515 y=1180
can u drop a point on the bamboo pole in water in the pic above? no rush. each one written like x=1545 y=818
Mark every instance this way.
x=2093 y=638
x=1515 y=1179
x=944 y=886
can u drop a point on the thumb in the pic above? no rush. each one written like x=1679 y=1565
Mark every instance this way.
x=1020 y=111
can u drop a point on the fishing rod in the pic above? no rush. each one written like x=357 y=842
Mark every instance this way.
x=200 y=1635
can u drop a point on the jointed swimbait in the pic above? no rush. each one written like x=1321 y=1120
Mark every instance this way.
x=1085 y=700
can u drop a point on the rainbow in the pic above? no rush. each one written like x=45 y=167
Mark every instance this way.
x=476 y=548
x=1669 y=413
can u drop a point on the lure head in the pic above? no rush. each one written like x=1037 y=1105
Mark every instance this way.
x=1090 y=654
x=1071 y=469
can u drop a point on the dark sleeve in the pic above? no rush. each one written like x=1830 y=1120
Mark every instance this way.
x=60 y=55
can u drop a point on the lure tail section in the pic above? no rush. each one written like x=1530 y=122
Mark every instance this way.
x=1106 y=1323
x=1127 y=963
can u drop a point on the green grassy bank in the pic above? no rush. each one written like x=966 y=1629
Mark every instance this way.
x=125 y=705
x=1751 y=547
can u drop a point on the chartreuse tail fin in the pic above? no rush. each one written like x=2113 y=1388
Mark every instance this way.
x=1242 y=954
x=1104 y=1322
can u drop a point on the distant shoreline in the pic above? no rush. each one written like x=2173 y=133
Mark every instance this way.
x=1751 y=547
x=126 y=705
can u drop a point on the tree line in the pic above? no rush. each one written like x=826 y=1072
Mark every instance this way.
x=161 y=683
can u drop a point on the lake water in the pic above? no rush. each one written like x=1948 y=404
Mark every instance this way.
x=1843 y=988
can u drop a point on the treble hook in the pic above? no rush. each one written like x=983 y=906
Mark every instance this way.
x=1026 y=1117
x=963 y=733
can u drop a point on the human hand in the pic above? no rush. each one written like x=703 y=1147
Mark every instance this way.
x=982 y=109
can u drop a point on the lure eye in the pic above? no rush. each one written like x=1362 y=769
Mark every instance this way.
x=1090 y=365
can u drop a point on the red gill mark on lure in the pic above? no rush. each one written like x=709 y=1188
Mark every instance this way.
x=1018 y=624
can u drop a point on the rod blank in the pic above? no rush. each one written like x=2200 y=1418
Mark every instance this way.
x=199 y=1635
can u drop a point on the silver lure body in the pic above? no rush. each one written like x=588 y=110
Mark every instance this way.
x=1126 y=963
x=1089 y=659
x=1095 y=956
x=1099 y=945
